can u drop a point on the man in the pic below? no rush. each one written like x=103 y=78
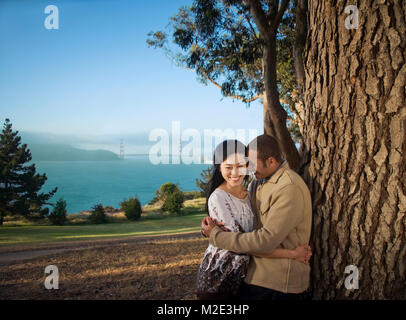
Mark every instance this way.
x=282 y=207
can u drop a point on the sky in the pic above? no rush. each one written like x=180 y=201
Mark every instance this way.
x=96 y=76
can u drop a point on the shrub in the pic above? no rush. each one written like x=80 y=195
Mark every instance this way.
x=173 y=202
x=168 y=188
x=58 y=214
x=97 y=214
x=132 y=208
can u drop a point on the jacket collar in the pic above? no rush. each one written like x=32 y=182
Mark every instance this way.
x=273 y=178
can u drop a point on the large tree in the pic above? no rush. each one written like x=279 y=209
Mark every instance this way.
x=19 y=182
x=355 y=134
x=352 y=101
x=234 y=45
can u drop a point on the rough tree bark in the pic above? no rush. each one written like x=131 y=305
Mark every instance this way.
x=355 y=136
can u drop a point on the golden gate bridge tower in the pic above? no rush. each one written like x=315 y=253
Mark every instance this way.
x=121 y=149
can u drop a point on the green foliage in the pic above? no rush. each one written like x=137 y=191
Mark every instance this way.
x=132 y=208
x=202 y=183
x=58 y=214
x=171 y=197
x=19 y=182
x=167 y=188
x=219 y=40
x=217 y=44
x=97 y=214
x=173 y=202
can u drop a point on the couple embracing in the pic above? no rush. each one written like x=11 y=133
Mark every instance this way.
x=258 y=237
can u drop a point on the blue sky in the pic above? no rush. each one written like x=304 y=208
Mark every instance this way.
x=96 y=74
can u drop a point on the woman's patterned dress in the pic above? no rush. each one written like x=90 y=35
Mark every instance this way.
x=222 y=271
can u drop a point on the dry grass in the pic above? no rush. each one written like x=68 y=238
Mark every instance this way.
x=164 y=269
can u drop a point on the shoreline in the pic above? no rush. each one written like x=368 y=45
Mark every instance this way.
x=143 y=207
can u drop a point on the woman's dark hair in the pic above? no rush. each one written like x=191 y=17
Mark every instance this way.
x=221 y=153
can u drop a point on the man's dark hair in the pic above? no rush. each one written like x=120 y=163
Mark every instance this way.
x=266 y=146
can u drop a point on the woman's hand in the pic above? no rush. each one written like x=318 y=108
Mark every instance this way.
x=208 y=224
x=303 y=253
x=221 y=225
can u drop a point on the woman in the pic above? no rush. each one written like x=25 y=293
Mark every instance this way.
x=221 y=271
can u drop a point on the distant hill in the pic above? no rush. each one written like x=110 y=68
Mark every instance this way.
x=61 y=152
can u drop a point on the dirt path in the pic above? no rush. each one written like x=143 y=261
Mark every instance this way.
x=10 y=255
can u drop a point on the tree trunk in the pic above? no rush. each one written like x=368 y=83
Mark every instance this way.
x=299 y=44
x=274 y=115
x=298 y=50
x=355 y=136
x=275 y=112
x=268 y=125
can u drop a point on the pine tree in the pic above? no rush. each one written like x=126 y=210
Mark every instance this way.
x=19 y=183
x=203 y=183
x=97 y=214
x=58 y=214
x=132 y=208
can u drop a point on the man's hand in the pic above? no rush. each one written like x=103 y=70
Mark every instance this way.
x=208 y=224
x=303 y=253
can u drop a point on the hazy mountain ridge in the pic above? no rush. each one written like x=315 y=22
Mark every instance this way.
x=134 y=144
x=60 y=152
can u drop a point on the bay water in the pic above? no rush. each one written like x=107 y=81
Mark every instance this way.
x=84 y=184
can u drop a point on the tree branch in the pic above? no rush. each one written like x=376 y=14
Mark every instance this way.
x=251 y=27
x=248 y=20
x=281 y=11
x=232 y=96
x=259 y=17
x=296 y=113
x=273 y=10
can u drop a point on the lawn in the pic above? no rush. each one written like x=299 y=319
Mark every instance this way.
x=152 y=223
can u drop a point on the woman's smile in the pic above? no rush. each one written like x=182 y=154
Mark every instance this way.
x=235 y=179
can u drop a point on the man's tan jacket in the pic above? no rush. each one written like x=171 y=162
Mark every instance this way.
x=283 y=217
